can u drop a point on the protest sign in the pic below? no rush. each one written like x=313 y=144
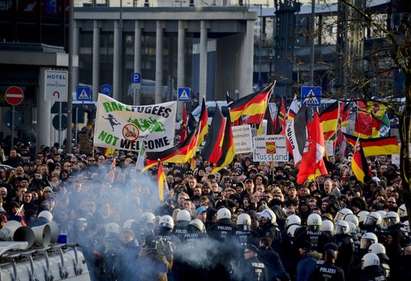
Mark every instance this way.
x=242 y=139
x=126 y=127
x=270 y=148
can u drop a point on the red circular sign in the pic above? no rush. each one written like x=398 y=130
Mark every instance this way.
x=14 y=95
x=130 y=132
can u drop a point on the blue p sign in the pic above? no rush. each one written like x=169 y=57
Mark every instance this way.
x=136 y=78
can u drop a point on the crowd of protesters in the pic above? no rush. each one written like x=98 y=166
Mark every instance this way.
x=250 y=221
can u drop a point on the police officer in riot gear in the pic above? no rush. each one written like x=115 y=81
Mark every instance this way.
x=328 y=271
x=373 y=223
x=371 y=269
x=182 y=269
x=145 y=226
x=183 y=219
x=292 y=220
x=268 y=228
x=367 y=239
x=195 y=230
x=243 y=229
x=355 y=233
x=327 y=234
x=345 y=245
x=379 y=250
x=165 y=227
x=311 y=232
x=223 y=230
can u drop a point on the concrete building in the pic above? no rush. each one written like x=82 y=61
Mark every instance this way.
x=171 y=47
x=159 y=43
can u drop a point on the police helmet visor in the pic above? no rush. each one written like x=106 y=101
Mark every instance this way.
x=369 y=220
x=365 y=243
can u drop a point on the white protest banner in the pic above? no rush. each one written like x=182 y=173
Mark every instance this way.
x=270 y=148
x=242 y=139
x=124 y=127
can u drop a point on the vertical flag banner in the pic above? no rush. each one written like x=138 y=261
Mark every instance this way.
x=213 y=146
x=359 y=164
x=203 y=123
x=228 y=148
x=312 y=163
x=329 y=120
x=282 y=116
x=161 y=181
x=296 y=131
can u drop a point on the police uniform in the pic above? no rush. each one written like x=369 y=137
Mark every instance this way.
x=180 y=232
x=373 y=273
x=222 y=231
x=254 y=270
x=243 y=237
x=328 y=272
x=314 y=237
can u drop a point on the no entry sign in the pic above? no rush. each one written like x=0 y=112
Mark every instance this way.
x=14 y=95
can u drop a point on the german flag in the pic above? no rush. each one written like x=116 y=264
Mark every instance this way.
x=161 y=181
x=179 y=154
x=352 y=140
x=376 y=146
x=213 y=146
x=329 y=120
x=359 y=164
x=203 y=123
x=380 y=146
x=228 y=148
x=250 y=109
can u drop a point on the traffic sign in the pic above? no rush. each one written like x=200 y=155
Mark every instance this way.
x=184 y=94
x=107 y=89
x=55 y=122
x=311 y=95
x=55 y=84
x=136 y=78
x=14 y=95
x=83 y=93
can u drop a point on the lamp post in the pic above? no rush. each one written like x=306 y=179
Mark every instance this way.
x=70 y=79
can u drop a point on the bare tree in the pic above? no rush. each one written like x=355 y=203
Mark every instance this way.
x=399 y=49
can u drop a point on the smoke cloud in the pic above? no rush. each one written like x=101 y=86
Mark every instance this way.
x=92 y=208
